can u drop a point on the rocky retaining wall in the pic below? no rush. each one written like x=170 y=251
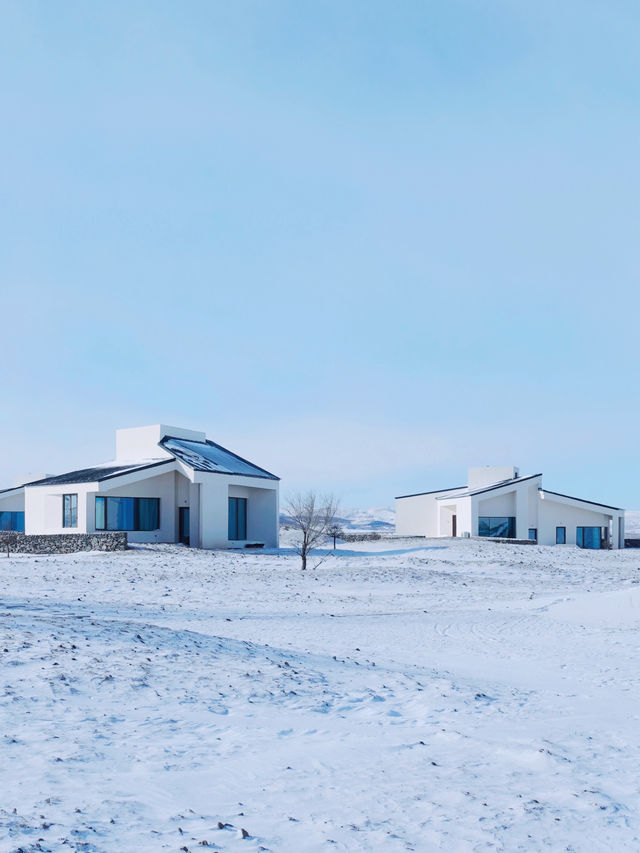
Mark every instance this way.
x=62 y=543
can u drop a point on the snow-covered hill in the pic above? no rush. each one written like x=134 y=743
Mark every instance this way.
x=380 y=519
x=632 y=523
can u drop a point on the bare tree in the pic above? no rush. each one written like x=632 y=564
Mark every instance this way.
x=336 y=531
x=311 y=515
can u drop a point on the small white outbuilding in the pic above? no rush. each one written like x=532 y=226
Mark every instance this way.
x=166 y=484
x=498 y=502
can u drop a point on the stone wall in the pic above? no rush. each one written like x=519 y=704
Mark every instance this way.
x=63 y=543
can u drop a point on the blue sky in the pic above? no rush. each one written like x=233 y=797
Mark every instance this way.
x=364 y=244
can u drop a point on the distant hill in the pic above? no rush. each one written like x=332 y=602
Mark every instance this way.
x=381 y=519
x=632 y=523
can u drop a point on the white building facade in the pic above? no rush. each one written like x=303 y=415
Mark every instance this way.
x=166 y=484
x=499 y=503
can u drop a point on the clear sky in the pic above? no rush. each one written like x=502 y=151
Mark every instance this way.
x=365 y=244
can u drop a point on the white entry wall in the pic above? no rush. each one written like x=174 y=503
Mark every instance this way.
x=262 y=510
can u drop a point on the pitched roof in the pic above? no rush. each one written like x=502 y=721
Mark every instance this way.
x=433 y=492
x=96 y=474
x=493 y=486
x=212 y=458
x=580 y=500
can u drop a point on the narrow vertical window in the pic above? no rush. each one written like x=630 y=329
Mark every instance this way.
x=237 y=518
x=533 y=534
x=70 y=510
x=561 y=535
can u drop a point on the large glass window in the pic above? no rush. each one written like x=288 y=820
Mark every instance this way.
x=561 y=535
x=127 y=513
x=588 y=537
x=237 y=518
x=504 y=527
x=69 y=510
x=12 y=521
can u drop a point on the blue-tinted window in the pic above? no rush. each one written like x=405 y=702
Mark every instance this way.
x=69 y=510
x=561 y=535
x=588 y=537
x=127 y=513
x=12 y=521
x=237 y=518
x=503 y=527
x=533 y=534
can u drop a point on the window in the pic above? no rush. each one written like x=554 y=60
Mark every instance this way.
x=12 y=521
x=533 y=534
x=237 y=518
x=504 y=527
x=69 y=510
x=588 y=537
x=561 y=535
x=127 y=513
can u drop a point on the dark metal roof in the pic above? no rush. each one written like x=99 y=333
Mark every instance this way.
x=581 y=500
x=434 y=492
x=95 y=475
x=12 y=489
x=212 y=458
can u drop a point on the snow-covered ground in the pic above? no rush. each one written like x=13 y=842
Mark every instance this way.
x=405 y=695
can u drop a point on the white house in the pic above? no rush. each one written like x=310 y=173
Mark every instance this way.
x=499 y=502
x=166 y=484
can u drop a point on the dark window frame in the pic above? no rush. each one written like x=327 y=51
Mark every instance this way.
x=135 y=528
x=580 y=537
x=234 y=530
x=562 y=527
x=72 y=510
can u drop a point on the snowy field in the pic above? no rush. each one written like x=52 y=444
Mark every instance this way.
x=406 y=695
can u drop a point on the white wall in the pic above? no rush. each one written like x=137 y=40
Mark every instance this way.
x=13 y=502
x=554 y=514
x=43 y=507
x=487 y=475
x=139 y=443
x=417 y=515
x=172 y=489
x=498 y=505
x=262 y=509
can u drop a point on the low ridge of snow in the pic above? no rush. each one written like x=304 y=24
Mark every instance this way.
x=403 y=695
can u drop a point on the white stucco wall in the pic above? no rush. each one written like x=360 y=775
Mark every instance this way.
x=43 y=507
x=262 y=509
x=417 y=515
x=500 y=505
x=487 y=475
x=168 y=487
x=12 y=502
x=554 y=514
x=142 y=442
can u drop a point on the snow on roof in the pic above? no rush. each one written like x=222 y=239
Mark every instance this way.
x=207 y=456
x=97 y=473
